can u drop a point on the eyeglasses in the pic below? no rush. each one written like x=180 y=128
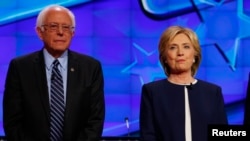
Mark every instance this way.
x=53 y=27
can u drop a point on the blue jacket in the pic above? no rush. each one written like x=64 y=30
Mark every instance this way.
x=162 y=111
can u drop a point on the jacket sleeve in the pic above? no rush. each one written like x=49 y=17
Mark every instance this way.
x=12 y=105
x=147 y=131
x=94 y=126
x=246 y=120
x=220 y=108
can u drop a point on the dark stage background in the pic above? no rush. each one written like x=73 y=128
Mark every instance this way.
x=124 y=35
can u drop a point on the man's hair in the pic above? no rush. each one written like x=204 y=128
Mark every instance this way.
x=42 y=14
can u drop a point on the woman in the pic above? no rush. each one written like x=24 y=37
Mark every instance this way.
x=181 y=107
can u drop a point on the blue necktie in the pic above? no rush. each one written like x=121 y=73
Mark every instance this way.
x=56 y=104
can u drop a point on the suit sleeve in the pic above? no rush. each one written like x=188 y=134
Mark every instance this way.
x=247 y=105
x=147 y=131
x=246 y=120
x=94 y=127
x=12 y=105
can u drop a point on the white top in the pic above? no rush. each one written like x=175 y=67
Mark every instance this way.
x=188 y=127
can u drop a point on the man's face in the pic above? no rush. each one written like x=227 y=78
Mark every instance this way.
x=56 y=31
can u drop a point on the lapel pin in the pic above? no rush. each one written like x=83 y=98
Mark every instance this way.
x=72 y=69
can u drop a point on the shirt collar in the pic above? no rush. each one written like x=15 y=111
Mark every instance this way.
x=50 y=59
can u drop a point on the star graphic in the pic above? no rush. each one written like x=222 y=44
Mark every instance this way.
x=142 y=66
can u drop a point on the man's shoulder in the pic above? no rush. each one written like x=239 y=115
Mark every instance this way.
x=28 y=56
x=80 y=57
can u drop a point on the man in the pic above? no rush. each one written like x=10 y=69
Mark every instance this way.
x=34 y=85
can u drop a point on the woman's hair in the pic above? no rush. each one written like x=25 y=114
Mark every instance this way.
x=168 y=35
x=42 y=14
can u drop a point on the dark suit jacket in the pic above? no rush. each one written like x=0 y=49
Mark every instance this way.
x=26 y=102
x=246 y=120
x=162 y=113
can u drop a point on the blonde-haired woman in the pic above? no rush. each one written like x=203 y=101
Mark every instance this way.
x=180 y=107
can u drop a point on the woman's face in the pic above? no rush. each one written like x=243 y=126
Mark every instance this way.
x=180 y=54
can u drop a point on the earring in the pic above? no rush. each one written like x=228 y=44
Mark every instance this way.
x=193 y=60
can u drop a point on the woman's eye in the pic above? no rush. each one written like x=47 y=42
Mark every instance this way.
x=172 y=47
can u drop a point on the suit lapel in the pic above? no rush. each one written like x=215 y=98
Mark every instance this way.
x=40 y=72
x=71 y=81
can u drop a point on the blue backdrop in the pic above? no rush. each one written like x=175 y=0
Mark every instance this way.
x=124 y=35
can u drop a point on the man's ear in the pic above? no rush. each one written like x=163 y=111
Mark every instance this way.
x=39 y=32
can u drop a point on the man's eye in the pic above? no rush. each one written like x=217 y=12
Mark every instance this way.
x=53 y=26
x=66 y=27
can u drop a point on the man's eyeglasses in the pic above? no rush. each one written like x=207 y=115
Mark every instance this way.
x=55 y=27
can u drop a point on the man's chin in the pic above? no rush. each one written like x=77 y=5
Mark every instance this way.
x=59 y=48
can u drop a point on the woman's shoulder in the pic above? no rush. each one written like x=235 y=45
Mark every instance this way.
x=204 y=83
x=161 y=84
x=156 y=82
